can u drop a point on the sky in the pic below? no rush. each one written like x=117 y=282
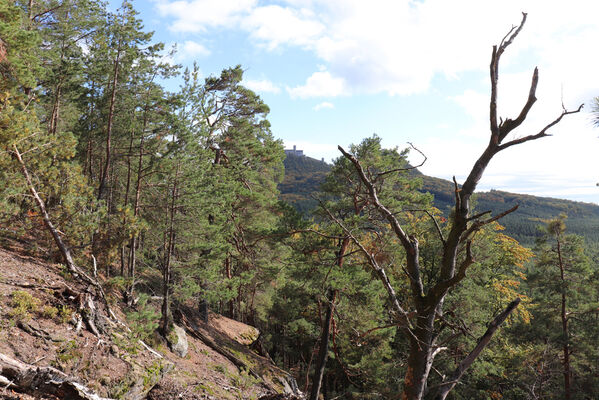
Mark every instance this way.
x=336 y=71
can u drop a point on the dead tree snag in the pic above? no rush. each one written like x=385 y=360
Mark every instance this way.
x=419 y=325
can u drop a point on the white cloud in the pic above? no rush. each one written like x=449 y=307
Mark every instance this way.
x=399 y=46
x=84 y=47
x=263 y=85
x=476 y=104
x=191 y=49
x=275 y=25
x=323 y=105
x=199 y=15
x=319 y=84
x=185 y=51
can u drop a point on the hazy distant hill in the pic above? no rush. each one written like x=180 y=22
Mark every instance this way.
x=303 y=176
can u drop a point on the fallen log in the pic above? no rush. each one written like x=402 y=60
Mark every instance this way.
x=39 y=381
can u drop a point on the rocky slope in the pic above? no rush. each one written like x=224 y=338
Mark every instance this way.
x=42 y=329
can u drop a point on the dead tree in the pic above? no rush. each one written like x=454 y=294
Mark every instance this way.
x=93 y=318
x=42 y=381
x=419 y=324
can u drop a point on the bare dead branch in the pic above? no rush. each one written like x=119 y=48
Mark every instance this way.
x=31 y=98
x=459 y=328
x=407 y=168
x=480 y=346
x=376 y=328
x=542 y=132
x=514 y=32
x=592 y=310
x=43 y=381
x=46 y=12
x=479 y=224
x=315 y=232
x=36 y=148
x=507 y=34
x=509 y=125
x=432 y=217
x=477 y=216
x=373 y=194
x=458 y=201
x=494 y=74
x=410 y=243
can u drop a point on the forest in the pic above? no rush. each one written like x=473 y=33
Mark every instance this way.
x=158 y=207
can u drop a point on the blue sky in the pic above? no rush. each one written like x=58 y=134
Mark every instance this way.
x=336 y=71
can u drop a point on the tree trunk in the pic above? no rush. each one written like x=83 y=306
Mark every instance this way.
x=166 y=321
x=326 y=327
x=133 y=241
x=420 y=356
x=323 y=351
x=53 y=126
x=167 y=317
x=30 y=12
x=126 y=202
x=115 y=76
x=89 y=148
x=564 y=316
x=229 y=275
x=203 y=310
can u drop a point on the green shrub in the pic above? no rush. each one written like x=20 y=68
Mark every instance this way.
x=49 y=312
x=23 y=305
x=67 y=352
x=64 y=314
x=118 y=283
x=144 y=321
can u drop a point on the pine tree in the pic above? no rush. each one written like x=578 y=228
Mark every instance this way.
x=34 y=159
x=246 y=168
x=562 y=282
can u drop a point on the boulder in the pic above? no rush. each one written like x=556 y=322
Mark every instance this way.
x=178 y=341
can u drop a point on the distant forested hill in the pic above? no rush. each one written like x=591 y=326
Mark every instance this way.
x=583 y=218
x=303 y=176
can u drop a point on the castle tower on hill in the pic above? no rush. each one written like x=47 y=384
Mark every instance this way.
x=294 y=151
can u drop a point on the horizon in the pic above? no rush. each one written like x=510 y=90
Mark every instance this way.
x=485 y=190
